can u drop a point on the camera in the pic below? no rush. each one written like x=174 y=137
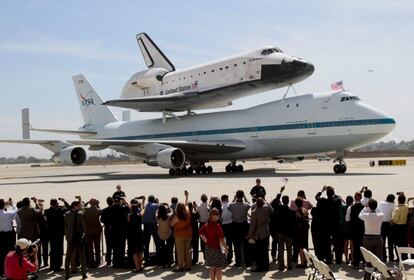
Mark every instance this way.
x=33 y=246
x=140 y=197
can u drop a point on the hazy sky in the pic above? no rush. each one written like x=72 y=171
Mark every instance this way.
x=44 y=43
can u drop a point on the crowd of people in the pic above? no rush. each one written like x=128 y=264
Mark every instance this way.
x=223 y=231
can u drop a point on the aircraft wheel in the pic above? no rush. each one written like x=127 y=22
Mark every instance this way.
x=240 y=168
x=178 y=172
x=343 y=168
x=190 y=171
x=172 y=172
x=203 y=169
x=228 y=168
x=197 y=170
x=234 y=168
x=209 y=169
x=184 y=170
x=337 y=168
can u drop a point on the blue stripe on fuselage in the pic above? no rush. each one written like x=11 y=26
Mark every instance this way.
x=260 y=128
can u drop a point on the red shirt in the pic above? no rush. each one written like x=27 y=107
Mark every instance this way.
x=12 y=268
x=213 y=233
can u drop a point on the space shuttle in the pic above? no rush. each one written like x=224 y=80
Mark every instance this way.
x=163 y=88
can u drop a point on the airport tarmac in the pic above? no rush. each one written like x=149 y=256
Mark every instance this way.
x=18 y=181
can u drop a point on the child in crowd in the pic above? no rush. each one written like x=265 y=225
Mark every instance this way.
x=212 y=234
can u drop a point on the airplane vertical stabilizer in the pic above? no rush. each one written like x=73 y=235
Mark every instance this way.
x=153 y=56
x=25 y=123
x=93 y=112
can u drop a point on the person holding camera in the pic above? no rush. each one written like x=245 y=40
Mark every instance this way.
x=28 y=221
x=75 y=237
x=7 y=233
x=22 y=261
x=56 y=226
x=93 y=233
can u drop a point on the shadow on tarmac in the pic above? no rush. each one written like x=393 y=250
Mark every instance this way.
x=115 y=176
x=202 y=272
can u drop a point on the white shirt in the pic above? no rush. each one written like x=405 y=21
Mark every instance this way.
x=226 y=214
x=202 y=210
x=386 y=208
x=6 y=219
x=372 y=221
x=364 y=201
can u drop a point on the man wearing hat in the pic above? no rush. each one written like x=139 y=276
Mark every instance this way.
x=21 y=261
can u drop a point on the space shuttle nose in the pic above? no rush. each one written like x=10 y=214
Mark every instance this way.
x=309 y=68
x=306 y=68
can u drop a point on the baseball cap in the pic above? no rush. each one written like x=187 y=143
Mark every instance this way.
x=23 y=243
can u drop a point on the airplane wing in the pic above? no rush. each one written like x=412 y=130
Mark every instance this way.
x=196 y=146
x=54 y=146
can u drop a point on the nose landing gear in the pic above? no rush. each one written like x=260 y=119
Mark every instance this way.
x=340 y=167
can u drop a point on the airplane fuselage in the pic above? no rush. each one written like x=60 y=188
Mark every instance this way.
x=296 y=126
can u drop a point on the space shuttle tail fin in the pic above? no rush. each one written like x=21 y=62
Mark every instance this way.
x=153 y=56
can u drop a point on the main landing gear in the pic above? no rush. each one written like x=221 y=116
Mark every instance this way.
x=340 y=167
x=232 y=167
x=197 y=168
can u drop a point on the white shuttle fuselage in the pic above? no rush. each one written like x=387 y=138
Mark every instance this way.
x=211 y=85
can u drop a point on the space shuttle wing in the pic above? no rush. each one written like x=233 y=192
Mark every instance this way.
x=195 y=146
x=158 y=103
x=176 y=102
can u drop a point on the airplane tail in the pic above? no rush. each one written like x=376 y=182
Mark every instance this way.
x=153 y=56
x=93 y=112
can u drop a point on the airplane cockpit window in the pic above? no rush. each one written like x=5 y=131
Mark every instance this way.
x=350 y=98
x=270 y=51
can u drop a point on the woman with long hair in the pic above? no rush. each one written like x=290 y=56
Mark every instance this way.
x=164 y=216
x=183 y=235
x=135 y=237
x=212 y=234
x=302 y=230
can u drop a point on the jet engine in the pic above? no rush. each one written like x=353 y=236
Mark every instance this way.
x=170 y=158
x=71 y=155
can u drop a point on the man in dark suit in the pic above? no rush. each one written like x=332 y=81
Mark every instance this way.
x=107 y=220
x=75 y=237
x=284 y=221
x=330 y=215
x=27 y=220
x=56 y=231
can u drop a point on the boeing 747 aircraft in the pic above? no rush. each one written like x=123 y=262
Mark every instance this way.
x=289 y=128
x=212 y=85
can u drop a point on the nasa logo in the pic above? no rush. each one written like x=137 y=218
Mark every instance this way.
x=86 y=101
